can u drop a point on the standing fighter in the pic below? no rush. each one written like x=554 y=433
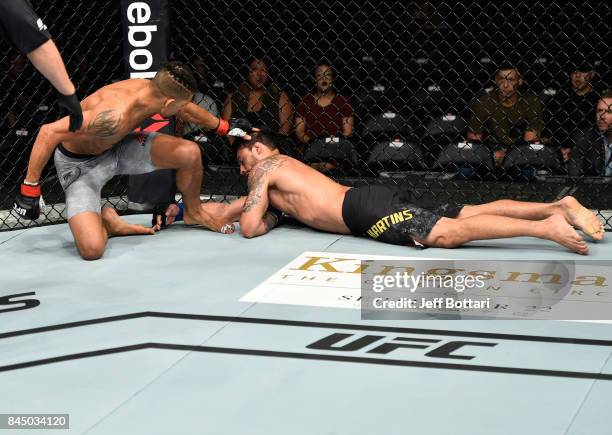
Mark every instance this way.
x=107 y=146
x=385 y=213
x=28 y=34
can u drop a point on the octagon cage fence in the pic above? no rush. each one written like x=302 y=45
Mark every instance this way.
x=419 y=93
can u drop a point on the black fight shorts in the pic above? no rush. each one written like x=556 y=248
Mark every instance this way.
x=390 y=215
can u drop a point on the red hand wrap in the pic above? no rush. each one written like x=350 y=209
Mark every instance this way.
x=223 y=127
x=31 y=191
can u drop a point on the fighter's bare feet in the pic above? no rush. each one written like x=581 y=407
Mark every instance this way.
x=115 y=226
x=561 y=232
x=582 y=218
x=209 y=221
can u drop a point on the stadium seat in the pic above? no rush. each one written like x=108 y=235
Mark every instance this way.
x=397 y=155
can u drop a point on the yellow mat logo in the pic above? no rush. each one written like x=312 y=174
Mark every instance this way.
x=383 y=224
x=535 y=289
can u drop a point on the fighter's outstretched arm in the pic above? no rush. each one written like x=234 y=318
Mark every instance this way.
x=164 y=215
x=194 y=114
x=255 y=219
x=231 y=211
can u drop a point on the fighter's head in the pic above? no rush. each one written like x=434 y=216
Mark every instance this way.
x=261 y=146
x=175 y=81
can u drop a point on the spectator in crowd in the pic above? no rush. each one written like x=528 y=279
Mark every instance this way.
x=592 y=153
x=200 y=72
x=200 y=97
x=324 y=113
x=260 y=101
x=573 y=109
x=505 y=115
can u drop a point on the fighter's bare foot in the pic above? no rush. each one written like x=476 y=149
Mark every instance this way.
x=563 y=233
x=582 y=218
x=115 y=226
x=207 y=220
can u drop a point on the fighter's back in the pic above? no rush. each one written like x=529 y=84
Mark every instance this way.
x=307 y=195
x=110 y=114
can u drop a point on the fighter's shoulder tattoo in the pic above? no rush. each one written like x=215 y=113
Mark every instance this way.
x=271 y=163
x=105 y=124
x=256 y=180
x=265 y=167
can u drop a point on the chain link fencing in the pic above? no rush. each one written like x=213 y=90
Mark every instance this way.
x=89 y=38
x=456 y=102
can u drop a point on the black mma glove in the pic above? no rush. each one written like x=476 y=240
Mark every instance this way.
x=70 y=103
x=27 y=202
x=236 y=127
x=160 y=211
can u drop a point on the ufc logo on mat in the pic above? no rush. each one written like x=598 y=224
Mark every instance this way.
x=386 y=345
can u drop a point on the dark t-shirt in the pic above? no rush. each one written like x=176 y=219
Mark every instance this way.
x=505 y=125
x=324 y=121
x=570 y=113
x=267 y=116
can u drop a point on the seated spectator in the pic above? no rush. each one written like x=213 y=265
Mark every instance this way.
x=505 y=115
x=214 y=149
x=592 y=153
x=324 y=113
x=572 y=110
x=200 y=71
x=207 y=85
x=260 y=101
x=200 y=97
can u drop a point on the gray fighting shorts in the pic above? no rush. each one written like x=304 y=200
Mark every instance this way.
x=83 y=176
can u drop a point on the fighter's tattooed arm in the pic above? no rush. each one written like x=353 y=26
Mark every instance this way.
x=256 y=187
x=105 y=124
x=258 y=179
x=254 y=220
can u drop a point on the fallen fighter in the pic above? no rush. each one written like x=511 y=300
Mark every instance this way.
x=278 y=183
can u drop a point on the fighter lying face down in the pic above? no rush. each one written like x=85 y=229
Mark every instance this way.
x=278 y=183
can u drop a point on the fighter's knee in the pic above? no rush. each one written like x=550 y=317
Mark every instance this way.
x=445 y=234
x=91 y=251
x=446 y=241
x=189 y=151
